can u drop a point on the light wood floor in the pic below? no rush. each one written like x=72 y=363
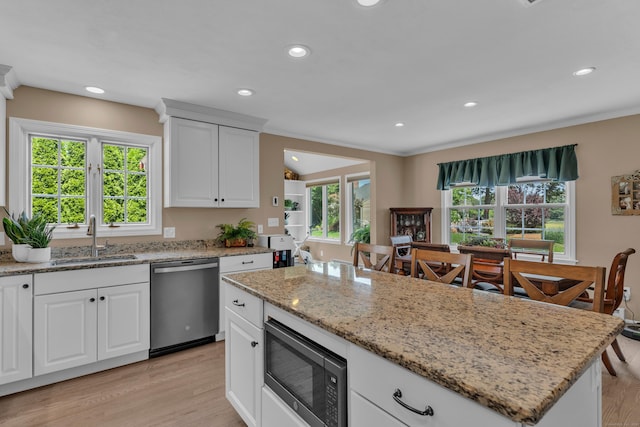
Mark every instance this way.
x=187 y=389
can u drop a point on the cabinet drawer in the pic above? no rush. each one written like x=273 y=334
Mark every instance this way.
x=244 y=304
x=365 y=414
x=246 y=262
x=90 y=278
x=449 y=409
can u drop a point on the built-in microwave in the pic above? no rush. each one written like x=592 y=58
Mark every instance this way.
x=309 y=378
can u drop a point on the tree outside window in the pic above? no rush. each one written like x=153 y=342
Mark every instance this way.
x=324 y=211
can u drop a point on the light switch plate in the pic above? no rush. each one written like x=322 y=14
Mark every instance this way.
x=274 y=201
x=169 y=232
x=260 y=229
x=273 y=222
x=1 y=238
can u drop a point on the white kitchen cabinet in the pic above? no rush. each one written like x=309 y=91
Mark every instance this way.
x=365 y=414
x=275 y=413
x=79 y=319
x=296 y=223
x=207 y=165
x=239 y=264
x=244 y=354
x=15 y=328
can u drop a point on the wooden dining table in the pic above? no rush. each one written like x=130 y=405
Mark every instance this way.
x=550 y=285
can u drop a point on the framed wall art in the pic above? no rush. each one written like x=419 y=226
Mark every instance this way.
x=625 y=194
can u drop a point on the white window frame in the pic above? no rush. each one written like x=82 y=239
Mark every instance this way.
x=499 y=220
x=324 y=182
x=349 y=202
x=20 y=179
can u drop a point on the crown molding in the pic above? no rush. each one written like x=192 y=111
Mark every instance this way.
x=171 y=108
x=8 y=81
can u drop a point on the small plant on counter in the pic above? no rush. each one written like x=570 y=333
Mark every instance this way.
x=37 y=233
x=14 y=227
x=236 y=235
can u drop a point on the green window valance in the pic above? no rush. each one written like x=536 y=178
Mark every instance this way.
x=555 y=164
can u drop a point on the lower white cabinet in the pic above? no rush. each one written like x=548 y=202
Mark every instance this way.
x=365 y=414
x=239 y=264
x=77 y=327
x=15 y=328
x=244 y=359
x=276 y=414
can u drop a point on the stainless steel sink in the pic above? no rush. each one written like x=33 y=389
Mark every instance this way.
x=92 y=260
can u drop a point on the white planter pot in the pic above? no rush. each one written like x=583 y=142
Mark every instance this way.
x=39 y=255
x=20 y=252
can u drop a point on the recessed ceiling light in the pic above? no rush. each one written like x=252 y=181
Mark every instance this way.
x=245 y=92
x=298 y=51
x=399 y=125
x=584 y=71
x=294 y=158
x=368 y=3
x=470 y=104
x=93 y=89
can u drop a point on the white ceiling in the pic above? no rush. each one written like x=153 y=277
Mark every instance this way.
x=414 y=61
x=309 y=163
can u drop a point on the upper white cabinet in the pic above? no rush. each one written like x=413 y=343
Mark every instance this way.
x=15 y=328
x=211 y=157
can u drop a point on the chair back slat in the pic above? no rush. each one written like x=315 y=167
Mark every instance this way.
x=541 y=248
x=614 y=293
x=374 y=257
x=522 y=273
x=441 y=267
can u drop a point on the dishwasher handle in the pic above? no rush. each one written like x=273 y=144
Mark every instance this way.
x=160 y=270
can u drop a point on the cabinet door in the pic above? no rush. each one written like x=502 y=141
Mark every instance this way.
x=64 y=330
x=244 y=367
x=123 y=320
x=239 y=168
x=15 y=328
x=365 y=414
x=191 y=163
x=275 y=413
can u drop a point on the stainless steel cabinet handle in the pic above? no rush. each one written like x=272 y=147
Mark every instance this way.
x=247 y=262
x=254 y=343
x=237 y=303
x=397 y=395
x=25 y=286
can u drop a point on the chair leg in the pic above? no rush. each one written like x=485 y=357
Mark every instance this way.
x=618 y=350
x=607 y=364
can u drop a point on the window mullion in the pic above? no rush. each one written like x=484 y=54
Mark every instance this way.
x=93 y=179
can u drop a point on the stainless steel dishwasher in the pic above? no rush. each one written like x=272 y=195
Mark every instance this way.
x=184 y=304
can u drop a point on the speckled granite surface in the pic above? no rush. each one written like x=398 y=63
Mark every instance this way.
x=514 y=356
x=144 y=254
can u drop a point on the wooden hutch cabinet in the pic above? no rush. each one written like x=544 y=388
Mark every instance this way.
x=415 y=222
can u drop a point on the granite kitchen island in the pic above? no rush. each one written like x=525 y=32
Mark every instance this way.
x=514 y=359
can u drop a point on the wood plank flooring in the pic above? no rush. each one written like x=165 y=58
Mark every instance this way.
x=187 y=389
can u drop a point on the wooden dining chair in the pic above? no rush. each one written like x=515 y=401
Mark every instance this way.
x=443 y=267
x=613 y=297
x=528 y=275
x=383 y=256
x=541 y=248
x=488 y=266
x=402 y=246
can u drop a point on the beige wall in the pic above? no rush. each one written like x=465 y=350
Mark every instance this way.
x=605 y=149
x=198 y=223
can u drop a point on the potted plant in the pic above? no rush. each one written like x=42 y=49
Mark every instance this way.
x=31 y=237
x=362 y=234
x=236 y=235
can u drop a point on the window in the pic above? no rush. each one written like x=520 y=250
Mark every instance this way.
x=71 y=172
x=324 y=210
x=358 y=203
x=536 y=210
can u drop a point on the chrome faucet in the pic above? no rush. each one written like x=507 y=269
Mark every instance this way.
x=92 y=231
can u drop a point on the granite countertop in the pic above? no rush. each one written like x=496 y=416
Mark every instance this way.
x=142 y=256
x=515 y=356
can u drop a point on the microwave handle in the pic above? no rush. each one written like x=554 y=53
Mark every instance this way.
x=301 y=346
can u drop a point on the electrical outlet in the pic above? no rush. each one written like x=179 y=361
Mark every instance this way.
x=169 y=232
x=260 y=229
x=627 y=293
